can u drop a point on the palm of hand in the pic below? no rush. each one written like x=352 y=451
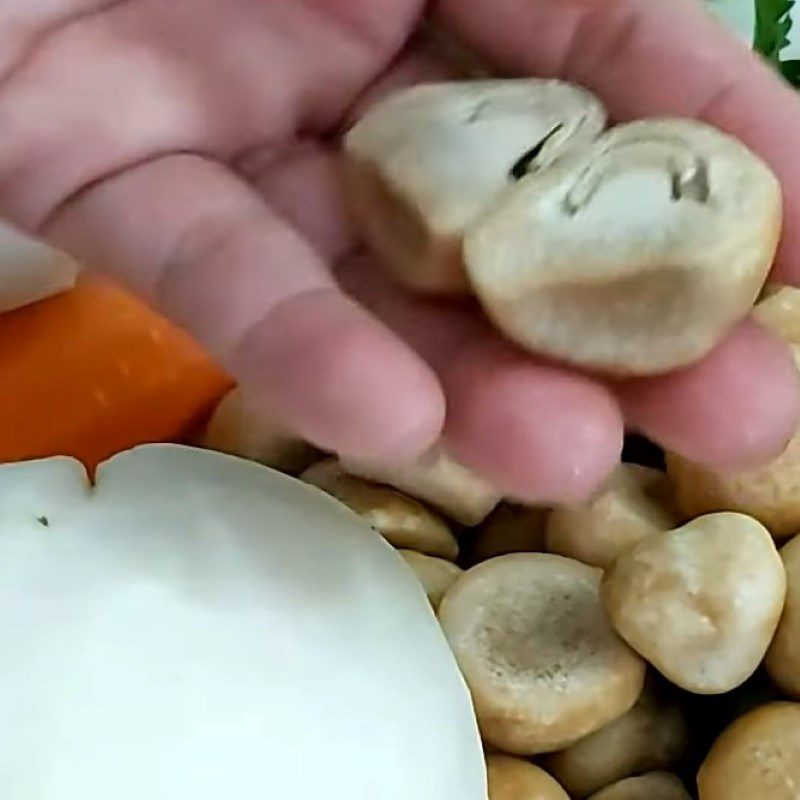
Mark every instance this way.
x=186 y=144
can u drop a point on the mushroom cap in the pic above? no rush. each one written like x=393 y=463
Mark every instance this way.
x=515 y=779
x=758 y=756
x=653 y=786
x=453 y=489
x=634 y=503
x=427 y=161
x=783 y=658
x=508 y=529
x=702 y=602
x=542 y=662
x=779 y=310
x=404 y=522
x=652 y=735
x=634 y=256
x=435 y=574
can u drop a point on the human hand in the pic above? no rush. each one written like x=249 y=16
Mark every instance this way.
x=189 y=146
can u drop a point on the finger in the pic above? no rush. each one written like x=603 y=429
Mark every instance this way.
x=540 y=434
x=211 y=255
x=737 y=408
x=646 y=58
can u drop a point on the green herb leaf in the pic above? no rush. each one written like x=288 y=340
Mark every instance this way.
x=773 y=24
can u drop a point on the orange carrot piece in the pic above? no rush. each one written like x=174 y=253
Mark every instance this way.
x=95 y=371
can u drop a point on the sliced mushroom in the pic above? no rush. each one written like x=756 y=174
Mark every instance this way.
x=783 y=659
x=508 y=529
x=426 y=162
x=779 y=310
x=402 y=521
x=701 y=603
x=435 y=574
x=541 y=660
x=634 y=257
x=757 y=757
x=770 y=493
x=515 y=779
x=436 y=479
x=634 y=503
x=653 y=735
x=653 y=786
x=239 y=428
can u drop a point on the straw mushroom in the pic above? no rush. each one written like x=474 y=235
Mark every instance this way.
x=758 y=756
x=238 y=428
x=508 y=529
x=702 y=602
x=435 y=479
x=541 y=660
x=426 y=162
x=634 y=257
x=435 y=574
x=634 y=503
x=783 y=658
x=402 y=521
x=652 y=735
x=515 y=779
x=779 y=310
x=653 y=786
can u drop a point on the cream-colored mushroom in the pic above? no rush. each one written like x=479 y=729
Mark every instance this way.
x=239 y=428
x=435 y=479
x=508 y=529
x=653 y=786
x=653 y=735
x=783 y=658
x=757 y=757
x=514 y=779
x=426 y=162
x=701 y=603
x=779 y=310
x=402 y=521
x=435 y=574
x=634 y=257
x=541 y=660
x=634 y=503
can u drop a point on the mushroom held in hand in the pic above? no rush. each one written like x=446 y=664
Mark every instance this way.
x=702 y=602
x=653 y=786
x=756 y=758
x=515 y=779
x=541 y=660
x=634 y=503
x=435 y=574
x=402 y=521
x=652 y=735
x=436 y=479
x=428 y=161
x=783 y=659
x=636 y=256
x=197 y=626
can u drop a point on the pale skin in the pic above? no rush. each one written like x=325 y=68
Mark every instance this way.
x=187 y=147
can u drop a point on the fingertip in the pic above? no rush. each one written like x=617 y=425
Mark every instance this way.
x=736 y=409
x=540 y=434
x=337 y=377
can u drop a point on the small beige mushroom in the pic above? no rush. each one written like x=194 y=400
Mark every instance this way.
x=238 y=428
x=515 y=779
x=508 y=529
x=756 y=758
x=634 y=503
x=541 y=660
x=701 y=603
x=634 y=257
x=653 y=735
x=779 y=310
x=653 y=786
x=435 y=574
x=783 y=658
x=404 y=522
x=426 y=162
x=437 y=480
